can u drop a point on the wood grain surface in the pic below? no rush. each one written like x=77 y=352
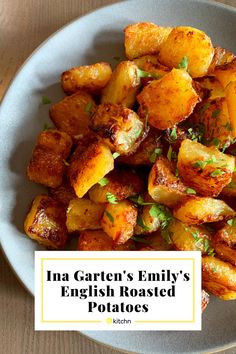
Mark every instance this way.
x=24 y=24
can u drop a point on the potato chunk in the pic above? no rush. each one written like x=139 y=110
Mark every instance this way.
x=91 y=78
x=226 y=73
x=146 y=222
x=221 y=57
x=205 y=169
x=100 y=241
x=230 y=189
x=120 y=182
x=230 y=94
x=213 y=85
x=169 y=100
x=225 y=242
x=47 y=163
x=191 y=43
x=72 y=113
x=119 y=221
x=190 y=238
x=83 y=214
x=123 y=85
x=64 y=193
x=46 y=222
x=118 y=126
x=195 y=210
x=88 y=165
x=144 y=38
x=219 y=278
x=163 y=186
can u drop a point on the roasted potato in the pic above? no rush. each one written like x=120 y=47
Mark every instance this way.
x=163 y=185
x=211 y=84
x=83 y=214
x=219 y=278
x=226 y=73
x=119 y=221
x=152 y=242
x=144 y=38
x=146 y=222
x=119 y=127
x=64 y=193
x=190 y=238
x=230 y=189
x=221 y=57
x=205 y=169
x=91 y=78
x=224 y=242
x=120 y=183
x=72 y=113
x=230 y=94
x=46 y=222
x=100 y=241
x=196 y=210
x=123 y=85
x=169 y=100
x=47 y=163
x=88 y=165
x=190 y=43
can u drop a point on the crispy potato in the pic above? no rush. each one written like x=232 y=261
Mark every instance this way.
x=46 y=222
x=119 y=221
x=120 y=182
x=163 y=186
x=146 y=223
x=221 y=57
x=64 y=193
x=224 y=242
x=144 y=38
x=213 y=85
x=189 y=238
x=100 y=241
x=219 y=278
x=191 y=43
x=72 y=113
x=123 y=85
x=169 y=100
x=83 y=214
x=230 y=94
x=205 y=299
x=230 y=189
x=226 y=73
x=58 y=142
x=205 y=169
x=196 y=210
x=119 y=127
x=91 y=78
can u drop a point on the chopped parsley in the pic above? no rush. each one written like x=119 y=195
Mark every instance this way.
x=165 y=217
x=110 y=217
x=183 y=64
x=141 y=223
x=202 y=163
x=103 y=181
x=138 y=199
x=115 y=155
x=143 y=73
x=170 y=153
x=228 y=126
x=204 y=108
x=213 y=269
x=192 y=135
x=232 y=222
x=111 y=198
x=215 y=113
x=190 y=191
x=46 y=100
x=88 y=107
x=217 y=172
x=137 y=133
x=47 y=127
x=216 y=142
x=156 y=152
x=173 y=134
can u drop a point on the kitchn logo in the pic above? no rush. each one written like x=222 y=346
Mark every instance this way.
x=110 y=320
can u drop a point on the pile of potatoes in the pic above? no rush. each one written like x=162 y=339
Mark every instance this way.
x=142 y=157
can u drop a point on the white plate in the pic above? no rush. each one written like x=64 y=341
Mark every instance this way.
x=94 y=37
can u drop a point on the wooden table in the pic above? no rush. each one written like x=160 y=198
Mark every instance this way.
x=24 y=24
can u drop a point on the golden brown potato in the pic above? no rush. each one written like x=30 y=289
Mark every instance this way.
x=224 y=242
x=88 y=165
x=205 y=299
x=72 y=113
x=169 y=100
x=213 y=85
x=230 y=189
x=119 y=221
x=91 y=78
x=196 y=210
x=119 y=127
x=46 y=222
x=190 y=238
x=163 y=186
x=47 y=163
x=147 y=152
x=120 y=183
x=219 y=278
x=226 y=73
x=230 y=94
x=123 y=85
x=190 y=43
x=146 y=222
x=205 y=169
x=83 y=214
x=100 y=241
x=64 y=193
x=221 y=57
x=152 y=242
x=144 y=38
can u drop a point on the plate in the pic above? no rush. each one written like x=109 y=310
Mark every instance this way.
x=96 y=37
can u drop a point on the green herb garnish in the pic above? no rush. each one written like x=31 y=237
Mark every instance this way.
x=183 y=64
x=88 y=107
x=156 y=152
x=103 y=181
x=231 y=222
x=169 y=153
x=173 y=134
x=138 y=199
x=143 y=73
x=228 y=126
x=47 y=127
x=110 y=217
x=140 y=222
x=217 y=172
x=115 y=155
x=190 y=191
x=215 y=113
x=111 y=198
x=216 y=142
x=204 y=108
